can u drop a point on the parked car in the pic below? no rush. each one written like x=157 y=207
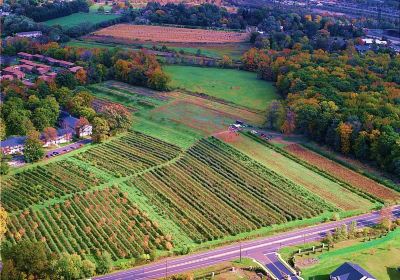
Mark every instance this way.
x=254 y=131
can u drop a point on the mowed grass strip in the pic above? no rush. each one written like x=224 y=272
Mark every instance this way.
x=235 y=86
x=380 y=257
x=80 y=18
x=323 y=187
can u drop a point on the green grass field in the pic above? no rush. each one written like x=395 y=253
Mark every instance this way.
x=239 y=87
x=379 y=257
x=79 y=18
x=95 y=7
x=301 y=175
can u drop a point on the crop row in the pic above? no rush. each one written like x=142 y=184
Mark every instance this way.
x=214 y=191
x=129 y=154
x=41 y=183
x=86 y=223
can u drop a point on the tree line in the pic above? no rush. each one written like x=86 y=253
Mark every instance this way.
x=347 y=101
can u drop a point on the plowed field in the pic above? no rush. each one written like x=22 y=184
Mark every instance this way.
x=343 y=173
x=171 y=34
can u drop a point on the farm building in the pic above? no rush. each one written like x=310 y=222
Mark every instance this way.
x=28 y=83
x=75 y=69
x=13 y=145
x=351 y=271
x=71 y=122
x=63 y=136
x=29 y=34
x=6 y=77
x=14 y=71
x=25 y=55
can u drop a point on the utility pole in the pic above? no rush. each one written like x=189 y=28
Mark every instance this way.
x=240 y=251
x=166 y=269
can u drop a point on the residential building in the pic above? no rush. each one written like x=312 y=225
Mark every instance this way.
x=351 y=271
x=71 y=122
x=63 y=136
x=38 y=57
x=75 y=69
x=28 y=83
x=29 y=34
x=14 y=71
x=13 y=145
x=25 y=55
x=6 y=77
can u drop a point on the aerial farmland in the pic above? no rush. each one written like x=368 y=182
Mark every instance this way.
x=195 y=142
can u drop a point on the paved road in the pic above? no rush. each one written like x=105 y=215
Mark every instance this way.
x=245 y=249
x=67 y=148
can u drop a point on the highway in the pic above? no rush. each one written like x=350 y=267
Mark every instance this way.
x=259 y=247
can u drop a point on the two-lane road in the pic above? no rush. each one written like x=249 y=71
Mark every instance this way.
x=249 y=248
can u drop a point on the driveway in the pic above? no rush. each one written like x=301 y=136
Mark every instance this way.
x=67 y=148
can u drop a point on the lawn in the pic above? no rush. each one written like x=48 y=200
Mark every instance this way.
x=95 y=7
x=239 y=87
x=379 y=257
x=299 y=174
x=80 y=18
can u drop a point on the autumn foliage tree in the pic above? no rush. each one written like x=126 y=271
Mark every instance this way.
x=49 y=134
x=118 y=117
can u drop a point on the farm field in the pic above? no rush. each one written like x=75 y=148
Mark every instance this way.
x=210 y=175
x=129 y=154
x=380 y=257
x=80 y=18
x=239 y=87
x=314 y=182
x=135 y=98
x=343 y=173
x=133 y=194
x=148 y=33
x=91 y=222
x=36 y=185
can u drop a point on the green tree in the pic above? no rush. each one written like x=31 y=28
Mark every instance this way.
x=4 y=166
x=66 y=79
x=101 y=129
x=2 y=129
x=158 y=80
x=104 y=262
x=101 y=9
x=275 y=115
x=71 y=267
x=26 y=258
x=118 y=117
x=33 y=150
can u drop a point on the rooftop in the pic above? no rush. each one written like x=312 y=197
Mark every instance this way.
x=351 y=271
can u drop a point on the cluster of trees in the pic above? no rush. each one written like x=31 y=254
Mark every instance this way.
x=28 y=17
x=344 y=232
x=205 y=15
x=136 y=68
x=46 y=10
x=347 y=101
x=31 y=260
x=284 y=30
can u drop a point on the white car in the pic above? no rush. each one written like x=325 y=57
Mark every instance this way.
x=254 y=132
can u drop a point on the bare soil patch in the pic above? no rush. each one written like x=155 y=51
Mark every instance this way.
x=343 y=173
x=170 y=34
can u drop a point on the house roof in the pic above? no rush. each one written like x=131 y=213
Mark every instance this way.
x=13 y=141
x=350 y=271
x=70 y=121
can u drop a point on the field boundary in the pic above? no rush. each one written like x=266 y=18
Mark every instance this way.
x=321 y=172
x=386 y=182
x=217 y=100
